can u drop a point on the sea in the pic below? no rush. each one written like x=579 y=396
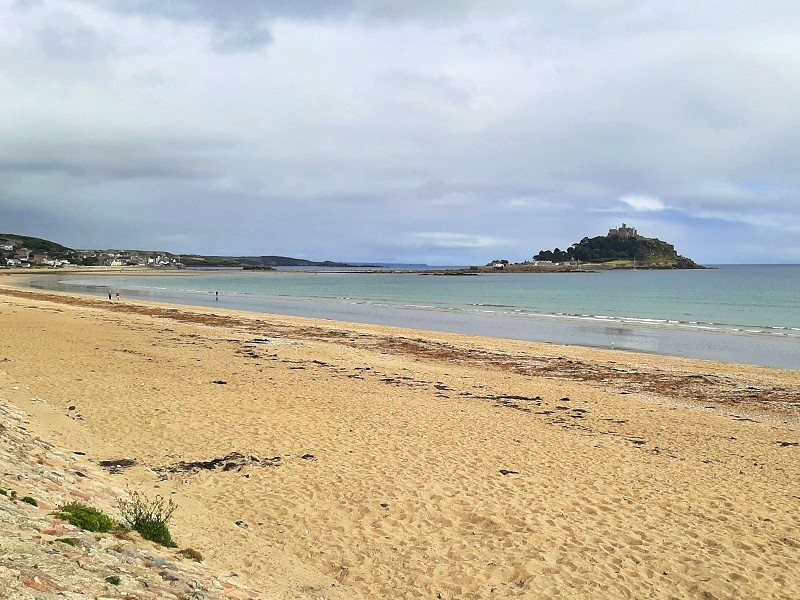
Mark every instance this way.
x=736 y=313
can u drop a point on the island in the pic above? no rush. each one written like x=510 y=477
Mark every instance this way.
x=621 y=248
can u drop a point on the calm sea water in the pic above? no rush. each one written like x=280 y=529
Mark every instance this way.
x=739 y=313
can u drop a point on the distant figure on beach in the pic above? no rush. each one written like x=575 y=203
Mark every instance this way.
x=117 y=295
x=216 y=296
x=109 y=295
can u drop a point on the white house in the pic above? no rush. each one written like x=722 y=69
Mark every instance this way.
x=13 y=262
x=6 y=246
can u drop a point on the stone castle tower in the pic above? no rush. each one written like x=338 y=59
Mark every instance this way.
x=623 y=232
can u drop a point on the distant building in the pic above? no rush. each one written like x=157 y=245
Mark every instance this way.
x=623 y=232
x=6 y=246
x=105 y=259
x=162 y=261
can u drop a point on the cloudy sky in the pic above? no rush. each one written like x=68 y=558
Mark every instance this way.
x=438 y=131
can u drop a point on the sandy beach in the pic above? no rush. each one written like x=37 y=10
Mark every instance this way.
x=318 y=459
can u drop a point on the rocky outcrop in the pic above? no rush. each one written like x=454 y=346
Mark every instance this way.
x=42 y=557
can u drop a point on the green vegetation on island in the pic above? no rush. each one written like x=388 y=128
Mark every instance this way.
x=621 y=248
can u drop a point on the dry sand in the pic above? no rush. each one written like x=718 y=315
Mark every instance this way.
x=355 y=461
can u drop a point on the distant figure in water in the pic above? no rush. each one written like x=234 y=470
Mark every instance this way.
x=216 y=296
x=117 y=295
x=109 y=295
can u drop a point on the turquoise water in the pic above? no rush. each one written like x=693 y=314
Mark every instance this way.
x=745 y=313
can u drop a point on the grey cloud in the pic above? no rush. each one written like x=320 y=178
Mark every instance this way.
x=239 y=25
x=188 y=159
x=53 y=46
x=234 y=11
x=370 y=122
x=239 y=40
x=73 y=41
x=449 y=239
x=444 y=11
x=243 y=25
x=426 y=89
x=25 y=5
x=248 y=11
x=710 y=114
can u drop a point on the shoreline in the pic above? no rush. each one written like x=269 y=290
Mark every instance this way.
x=386 y=334
x=370 y=461
x=765 y=346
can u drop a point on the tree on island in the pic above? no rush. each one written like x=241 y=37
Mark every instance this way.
x=616 y=248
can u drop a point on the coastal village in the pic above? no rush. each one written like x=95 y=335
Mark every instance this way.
x=14 y=254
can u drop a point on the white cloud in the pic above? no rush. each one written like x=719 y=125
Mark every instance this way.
x=438 y=239
x=774 y=222
x=643 y=203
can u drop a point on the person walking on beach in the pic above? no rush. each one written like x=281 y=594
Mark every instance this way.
x=109 y=295
x=117 y=295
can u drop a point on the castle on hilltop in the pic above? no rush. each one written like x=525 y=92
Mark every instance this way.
x=623 y=232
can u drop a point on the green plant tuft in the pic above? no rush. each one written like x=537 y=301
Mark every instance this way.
x=31 y=501
x=86 y=517
x=191 y=553
x=3 y=492
x=157 y=532
x=113 y=579
x=149 y=517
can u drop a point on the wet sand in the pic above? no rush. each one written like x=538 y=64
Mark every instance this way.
x=762 y=347
x=325 y=459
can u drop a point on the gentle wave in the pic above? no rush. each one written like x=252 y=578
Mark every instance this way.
x=610 y=319
x=620 y=311
x=486 y=309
